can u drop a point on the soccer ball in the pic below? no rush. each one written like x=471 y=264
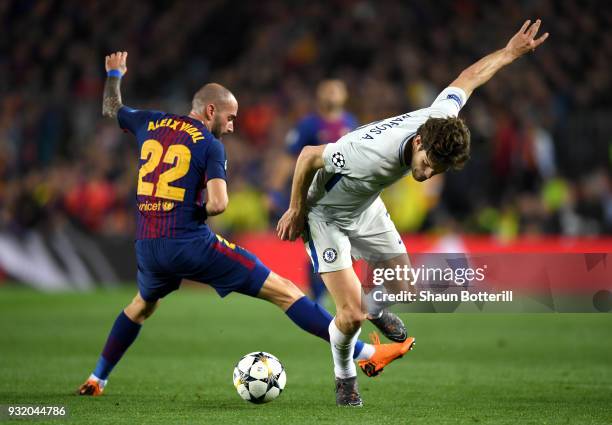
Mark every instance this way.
x=259 y=377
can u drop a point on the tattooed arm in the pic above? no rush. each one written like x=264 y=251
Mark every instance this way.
x=111 y=102
x=112 y=97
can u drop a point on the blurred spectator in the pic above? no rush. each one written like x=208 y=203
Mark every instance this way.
x=328 y=123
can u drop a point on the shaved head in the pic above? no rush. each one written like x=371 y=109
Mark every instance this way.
x=216 y=107
x=211 y=93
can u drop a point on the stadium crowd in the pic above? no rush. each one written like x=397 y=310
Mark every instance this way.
x=541 y=139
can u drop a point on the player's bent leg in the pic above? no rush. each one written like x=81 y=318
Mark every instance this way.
x=238 y=270
x=139 y=309
x=299 y=308
x=350 y=315
x=305 y=313
x=375 y=239
x=122 y=335
x=345 y=289
x=280 y=291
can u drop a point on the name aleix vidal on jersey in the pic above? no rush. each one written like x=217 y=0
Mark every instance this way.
x=379 y=128
x=176 y=125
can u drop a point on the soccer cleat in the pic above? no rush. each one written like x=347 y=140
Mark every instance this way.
x=384 y=354
x=391 y=326
x=347 y=392
x=91 y=387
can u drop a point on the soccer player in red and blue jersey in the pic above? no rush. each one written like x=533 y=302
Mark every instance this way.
x=328 y=123
x=180 y=155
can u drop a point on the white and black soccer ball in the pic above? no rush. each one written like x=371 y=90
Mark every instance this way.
x=259 y=377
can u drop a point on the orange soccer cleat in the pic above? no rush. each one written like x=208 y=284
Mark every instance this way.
x=91 y=387
x=384 y=354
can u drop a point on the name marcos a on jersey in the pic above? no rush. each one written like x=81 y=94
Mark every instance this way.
x=379 y=128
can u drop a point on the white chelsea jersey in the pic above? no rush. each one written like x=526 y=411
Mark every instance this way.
x=365 y=161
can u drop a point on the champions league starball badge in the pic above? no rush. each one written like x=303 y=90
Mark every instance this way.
x=338 y=160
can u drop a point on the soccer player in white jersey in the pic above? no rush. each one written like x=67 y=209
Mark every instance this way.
x=335 y=199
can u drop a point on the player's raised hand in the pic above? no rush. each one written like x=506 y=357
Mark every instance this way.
x=290 y=226
x=117 y=60
x=524 y=40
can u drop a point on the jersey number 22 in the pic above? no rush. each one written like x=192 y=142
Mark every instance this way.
x=152 y=152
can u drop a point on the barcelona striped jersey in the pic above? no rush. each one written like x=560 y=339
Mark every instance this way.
x=178 y=155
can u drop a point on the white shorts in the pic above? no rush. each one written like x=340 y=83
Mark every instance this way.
x=372 y=237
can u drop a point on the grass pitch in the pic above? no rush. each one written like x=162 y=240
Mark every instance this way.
x=466 y=368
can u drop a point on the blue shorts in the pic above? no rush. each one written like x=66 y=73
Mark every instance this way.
x=209 y=259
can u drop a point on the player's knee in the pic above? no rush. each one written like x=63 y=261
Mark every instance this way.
x=139 y=310
x=149 y=309
x=292 y=291
x=350 y=318
x=287 y=293
x=280 y=291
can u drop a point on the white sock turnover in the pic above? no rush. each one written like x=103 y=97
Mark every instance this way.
x=102 y=382
x=366 y=352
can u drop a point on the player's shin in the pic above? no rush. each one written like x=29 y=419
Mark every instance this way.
x=122 y=335
x=343 y=347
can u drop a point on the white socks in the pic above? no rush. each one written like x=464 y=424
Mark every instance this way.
x=342 y=347
x=366 y=352
x=103 y=382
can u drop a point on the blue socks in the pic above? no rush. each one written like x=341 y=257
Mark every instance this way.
x=121 y=336
x=314 y=319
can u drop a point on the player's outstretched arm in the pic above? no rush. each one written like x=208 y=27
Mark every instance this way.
x=480 y=72
x=116 y=67
x=291 y=224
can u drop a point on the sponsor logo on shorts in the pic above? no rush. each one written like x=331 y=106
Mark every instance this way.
x=338 y=160
x=330 y=255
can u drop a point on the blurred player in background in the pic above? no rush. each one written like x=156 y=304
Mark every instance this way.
x=179 y=157
x=327 y=124
x=336 y=188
